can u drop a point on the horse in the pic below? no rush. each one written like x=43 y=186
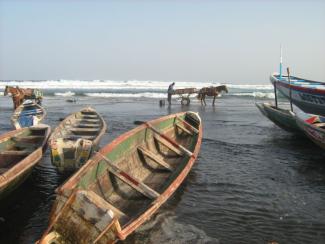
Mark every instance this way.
x=212 y=91
x=20 y=94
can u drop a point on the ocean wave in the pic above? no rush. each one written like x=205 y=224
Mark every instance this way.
x=126 y=95
x=124 y=85
x=65 y=94
x=255 y=94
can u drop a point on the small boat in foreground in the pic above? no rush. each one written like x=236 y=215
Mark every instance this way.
x=123 y=184
x=76 y=137
x=284 y=118
x=307 y=95
x=314 y=128
x=20 y=151
x=28 y=114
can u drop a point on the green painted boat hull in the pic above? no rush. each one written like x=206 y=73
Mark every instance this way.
x=283 y=118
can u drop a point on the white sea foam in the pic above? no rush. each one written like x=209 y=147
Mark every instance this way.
x=133 y=95
x=65 y=94
x=255 y=94
x=121 y=85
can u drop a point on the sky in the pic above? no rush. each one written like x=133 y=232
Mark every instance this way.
x=226 y=41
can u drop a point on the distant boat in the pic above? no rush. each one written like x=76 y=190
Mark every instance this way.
x=75 y=139
x=307 y=95
x=283 y=118
x=20 y=151
x=314 y=128
x=123 y=184
x=28 y=114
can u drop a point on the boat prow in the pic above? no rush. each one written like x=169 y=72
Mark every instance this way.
x=314 y=129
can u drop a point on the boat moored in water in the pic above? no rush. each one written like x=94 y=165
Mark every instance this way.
x=307 y=95
x=123 y=184
x=20 y=151
x=28 y=114
x=76 y=138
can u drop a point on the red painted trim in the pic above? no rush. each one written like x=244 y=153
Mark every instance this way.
x=125 y=175
x=301 y=89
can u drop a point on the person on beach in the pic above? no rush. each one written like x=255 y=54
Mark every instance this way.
x=170 y=93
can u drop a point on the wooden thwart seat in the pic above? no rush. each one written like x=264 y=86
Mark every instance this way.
x=196 y=131
x=155 y=158
x=169 y=140
x=24 y=138
x=88 y=120
x=16 y=153
x=78 y=129
x=76 y=137
x=88 y=116
x=184 y=129
x=169 y=145
x=130 y=180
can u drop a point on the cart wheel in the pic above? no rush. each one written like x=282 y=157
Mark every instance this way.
x=185 y=101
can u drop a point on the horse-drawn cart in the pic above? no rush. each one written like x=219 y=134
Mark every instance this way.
x=184 y=94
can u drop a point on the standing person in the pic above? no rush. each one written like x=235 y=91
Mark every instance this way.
x=170 y=93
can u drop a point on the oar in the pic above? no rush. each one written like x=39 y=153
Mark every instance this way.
x=275 y=95
x=290 y=92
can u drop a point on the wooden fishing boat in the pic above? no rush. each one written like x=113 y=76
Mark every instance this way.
x=28 y=114
x=307 y=95
x=76 y=137
x=20 y=151
x=314 y=128
x=123 y=184
x=284 y=118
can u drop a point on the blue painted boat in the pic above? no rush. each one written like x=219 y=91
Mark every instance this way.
x=28 y=114
x=307 y=95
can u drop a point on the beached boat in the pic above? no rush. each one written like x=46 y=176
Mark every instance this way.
x=28 y=114
x=123 y=184
x=284 y=118
x=75 y=139
x=314 y=128
x=307 y=95
x=20 y=151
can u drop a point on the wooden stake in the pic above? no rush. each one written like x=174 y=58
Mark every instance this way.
x=290 y=91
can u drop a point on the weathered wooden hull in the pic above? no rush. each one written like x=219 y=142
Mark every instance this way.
x=314 y=132
x=76 y=138
x=283 y=118
x=120 y=187
x=307 y=95
x=15 y=164
x=26 y=115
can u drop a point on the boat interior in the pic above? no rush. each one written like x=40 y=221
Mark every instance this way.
x=85 y=124
x=142 y=165
x=19 y=146
x=25 y=116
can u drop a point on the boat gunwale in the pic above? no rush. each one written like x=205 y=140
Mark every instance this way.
x=308 y=90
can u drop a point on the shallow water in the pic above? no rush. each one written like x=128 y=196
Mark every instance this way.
x=252 y=182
